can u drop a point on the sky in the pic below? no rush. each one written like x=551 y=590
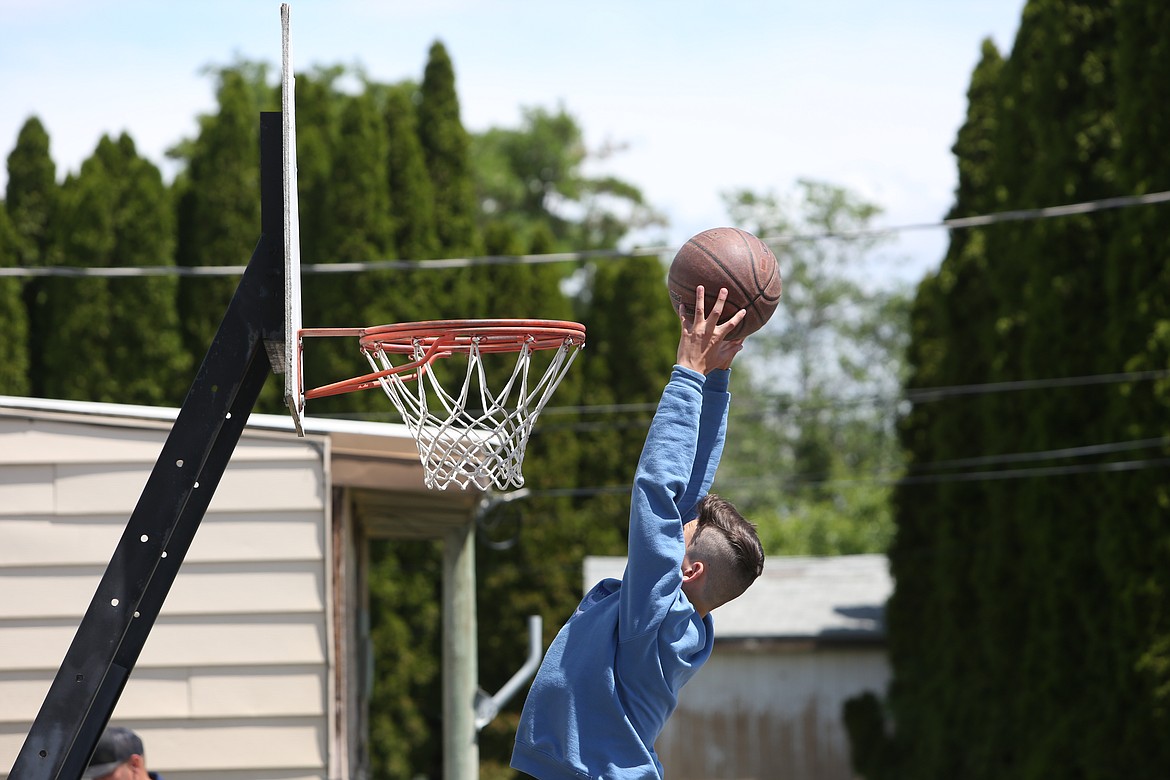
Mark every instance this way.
x=697 y=98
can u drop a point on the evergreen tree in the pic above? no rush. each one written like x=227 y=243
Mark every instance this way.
x=1135 y=558
x=319 y=107
x=30 y=201
x=359 y=230
x=445 y=142
x=406 y=720
x=411 y=195
x=218 y=201
x=14 y=357
x=446 y=147
x=633 y=339
x=1026 y=630
x=953 y=313
x=115 y=213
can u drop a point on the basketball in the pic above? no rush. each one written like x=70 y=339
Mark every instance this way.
x=731 y=258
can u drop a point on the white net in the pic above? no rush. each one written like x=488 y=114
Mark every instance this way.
x=478 y=436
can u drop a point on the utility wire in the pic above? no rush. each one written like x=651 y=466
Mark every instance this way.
x=926 y=394
x=1016 y=215
x=1023 y=457
x=916 y=395
x=1040 y=471
x=958 y=223
x=889 y=479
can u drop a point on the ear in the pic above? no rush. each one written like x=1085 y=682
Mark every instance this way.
x=693 y=570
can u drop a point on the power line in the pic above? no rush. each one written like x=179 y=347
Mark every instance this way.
x=1016 y=215
x=1064 y=452
x=931 y=473
x=1039 y=471
x=890 y=479
x=796 y=407
x=927 y=394
x=915 y=395
x=958 y=223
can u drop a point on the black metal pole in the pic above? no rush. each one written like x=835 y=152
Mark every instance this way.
x=160 y=530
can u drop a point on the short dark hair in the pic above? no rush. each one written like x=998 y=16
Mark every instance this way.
x=723 y=535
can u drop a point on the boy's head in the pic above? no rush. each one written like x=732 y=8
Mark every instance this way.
x=723 y=555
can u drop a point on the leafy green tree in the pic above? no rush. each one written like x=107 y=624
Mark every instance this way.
x=115 y=213
x=533 y=176
x=30 y=200
x=812 y=429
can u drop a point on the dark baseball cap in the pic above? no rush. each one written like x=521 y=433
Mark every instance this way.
x=113 y=749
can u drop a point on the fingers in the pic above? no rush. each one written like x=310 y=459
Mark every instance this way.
x=716 y=308
x=716 y=312
x=725 y=352
x=732 y=323
x=704 y=343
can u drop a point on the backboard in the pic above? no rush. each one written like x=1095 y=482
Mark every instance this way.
x=293 y=393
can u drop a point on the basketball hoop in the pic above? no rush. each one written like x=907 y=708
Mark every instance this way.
x=476 y=436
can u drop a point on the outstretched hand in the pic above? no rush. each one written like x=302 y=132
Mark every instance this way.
x=703 y=346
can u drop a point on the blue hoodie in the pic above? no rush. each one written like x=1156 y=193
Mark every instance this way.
x=611 y=677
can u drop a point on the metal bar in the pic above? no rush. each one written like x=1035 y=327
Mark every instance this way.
x=127 y=600
x=460 y=660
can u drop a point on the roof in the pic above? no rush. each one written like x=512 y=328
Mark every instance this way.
x=830 y=600
x=274 y=422
x=378 y=461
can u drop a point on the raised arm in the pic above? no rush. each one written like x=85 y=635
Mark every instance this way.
x=712 y=431
x=712 y=355
x=663 y=481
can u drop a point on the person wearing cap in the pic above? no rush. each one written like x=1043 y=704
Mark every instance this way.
x=119 y=755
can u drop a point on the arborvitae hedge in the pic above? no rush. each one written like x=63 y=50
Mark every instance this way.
x=1030 y=626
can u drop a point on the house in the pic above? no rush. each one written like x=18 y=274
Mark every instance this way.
x=256 y=668
x=807 y=636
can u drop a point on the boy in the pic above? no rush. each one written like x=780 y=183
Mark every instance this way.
x=611 y=678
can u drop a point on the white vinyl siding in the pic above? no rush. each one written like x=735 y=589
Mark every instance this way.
x=233 y=680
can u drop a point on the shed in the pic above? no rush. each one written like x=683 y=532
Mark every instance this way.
x=807 y=636
x=256 y=667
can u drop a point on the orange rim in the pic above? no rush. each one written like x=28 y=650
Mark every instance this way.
x=443 y=338
x=458 y=336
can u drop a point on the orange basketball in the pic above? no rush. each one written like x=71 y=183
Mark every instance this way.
x=732 y=258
